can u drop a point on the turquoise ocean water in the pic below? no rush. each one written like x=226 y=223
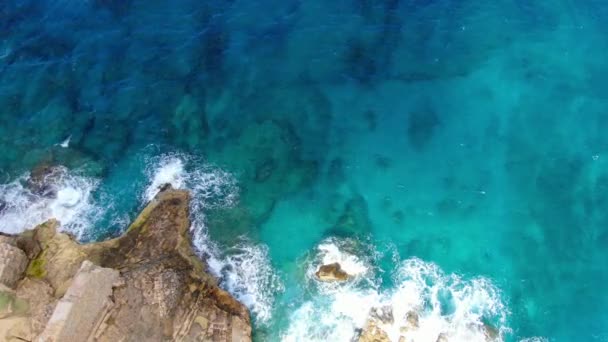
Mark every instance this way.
x=452 y=155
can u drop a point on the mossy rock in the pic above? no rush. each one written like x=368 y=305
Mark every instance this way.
x=36 y=268
x=156 y=247
x=5 y=300
x=10 y=305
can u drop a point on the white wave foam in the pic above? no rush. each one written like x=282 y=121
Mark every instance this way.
x=68 y=199
x=351 y=264
x=66 y=142
x=210 y=186
x=169 y=170
x=244 y=270
x=444 y=303
x=332 y=250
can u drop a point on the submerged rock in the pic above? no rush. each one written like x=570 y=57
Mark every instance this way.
x=264 y=170
x=229 y=225
x=354 y=219
x=331 y=272
x=41 y=178
x=189 y=123
x=421 y=125
x=147 y=285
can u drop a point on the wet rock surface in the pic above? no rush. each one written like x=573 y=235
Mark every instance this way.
x=331 y=272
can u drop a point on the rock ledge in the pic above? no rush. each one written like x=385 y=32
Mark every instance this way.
x=147 y=285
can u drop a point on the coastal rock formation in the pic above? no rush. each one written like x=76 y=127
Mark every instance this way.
x=381 y=321
x=331 y=272
x=147 y=285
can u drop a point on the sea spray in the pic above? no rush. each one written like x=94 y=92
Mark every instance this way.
x=67 y=197
x=356 y=258
x=210 y=186
x=351 y=264
x=246 y=272
x=165 y=170
x=462 y=309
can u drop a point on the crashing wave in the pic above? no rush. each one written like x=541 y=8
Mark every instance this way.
x=460 y=309
x=65 y=196
x=210 y=186
x=534 y=339
x=246 y=272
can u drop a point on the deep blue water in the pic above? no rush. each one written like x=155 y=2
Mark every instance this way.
x=465 y=136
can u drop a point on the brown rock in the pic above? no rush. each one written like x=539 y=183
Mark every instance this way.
x=373 y=333
x=15 y=329
x=55 y=257
x=165 y=294
x=38 y=295
x=12 y=264
x=83 y=305
x=331 y=272
x=443 y=337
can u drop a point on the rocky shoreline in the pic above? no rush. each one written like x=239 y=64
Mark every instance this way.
x=381 y=320
x=146 y=285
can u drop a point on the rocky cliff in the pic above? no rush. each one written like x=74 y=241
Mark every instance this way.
x=147 y=285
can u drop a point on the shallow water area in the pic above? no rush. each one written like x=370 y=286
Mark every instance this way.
x=451 y=156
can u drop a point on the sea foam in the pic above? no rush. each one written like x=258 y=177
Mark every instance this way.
x=67 y=199
x=247 y=273
x=445 y=303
